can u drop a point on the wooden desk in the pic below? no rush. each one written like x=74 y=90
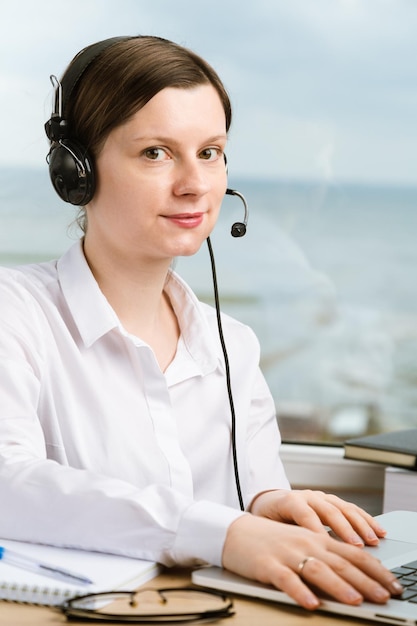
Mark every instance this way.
x=247 y=612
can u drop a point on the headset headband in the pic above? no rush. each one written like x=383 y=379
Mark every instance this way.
x=79 y=65
x=56 y=128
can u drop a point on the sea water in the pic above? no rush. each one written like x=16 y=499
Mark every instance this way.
x=324 y=275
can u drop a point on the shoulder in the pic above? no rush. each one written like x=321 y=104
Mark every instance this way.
x=232 y=327
x=25 y=285
x=27 y=276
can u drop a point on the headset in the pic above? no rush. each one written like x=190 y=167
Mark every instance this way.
x=71 y=170
x=70 y=166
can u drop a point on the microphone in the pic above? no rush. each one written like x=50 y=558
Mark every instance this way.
x=239 y=228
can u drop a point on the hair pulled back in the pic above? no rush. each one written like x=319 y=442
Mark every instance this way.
x=124 y=77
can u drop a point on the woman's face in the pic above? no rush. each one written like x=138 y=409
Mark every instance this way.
x=161 y=177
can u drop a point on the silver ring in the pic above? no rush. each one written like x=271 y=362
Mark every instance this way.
x=302 y=563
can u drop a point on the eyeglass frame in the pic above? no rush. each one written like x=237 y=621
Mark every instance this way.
x=73 y=613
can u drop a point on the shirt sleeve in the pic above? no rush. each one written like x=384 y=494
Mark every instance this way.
x=43 y=501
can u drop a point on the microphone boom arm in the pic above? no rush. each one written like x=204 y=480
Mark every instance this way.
x=239 y=228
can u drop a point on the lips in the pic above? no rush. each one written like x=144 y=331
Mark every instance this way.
x=186 y=220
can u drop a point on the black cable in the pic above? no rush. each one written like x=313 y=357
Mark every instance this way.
x=228 y=383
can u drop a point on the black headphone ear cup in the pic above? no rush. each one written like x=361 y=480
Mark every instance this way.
x=71 y=172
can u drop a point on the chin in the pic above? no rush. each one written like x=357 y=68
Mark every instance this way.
x=188 y=251
x=188 y=248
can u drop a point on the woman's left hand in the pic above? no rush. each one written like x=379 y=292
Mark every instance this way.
x=316 y=510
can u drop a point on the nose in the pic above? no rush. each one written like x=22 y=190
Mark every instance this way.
x=191 y=177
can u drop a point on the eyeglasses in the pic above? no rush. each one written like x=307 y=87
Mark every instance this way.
x=179 y=605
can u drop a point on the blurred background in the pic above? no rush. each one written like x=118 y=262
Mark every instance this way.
x=323 y=146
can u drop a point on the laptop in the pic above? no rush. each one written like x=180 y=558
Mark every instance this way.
x=398 y=552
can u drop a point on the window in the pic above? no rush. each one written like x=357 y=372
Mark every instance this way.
x=323 y=146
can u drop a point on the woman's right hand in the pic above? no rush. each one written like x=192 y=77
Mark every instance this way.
x=292 y=558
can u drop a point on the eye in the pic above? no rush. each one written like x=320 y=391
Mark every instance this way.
x=155 y=154
x=210 y=154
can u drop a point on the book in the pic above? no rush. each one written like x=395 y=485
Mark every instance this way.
x=397 y=448
x=108 y=572
x=400 y=490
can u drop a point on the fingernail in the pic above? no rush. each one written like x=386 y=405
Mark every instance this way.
x=396 y=587
x=380 y=594
x=311 y=601
x=371 y=536
x=353 y=597
x=356 y=540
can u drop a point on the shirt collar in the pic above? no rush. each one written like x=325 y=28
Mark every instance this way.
x=94 y=316
x=200 y=340
x=90 y=309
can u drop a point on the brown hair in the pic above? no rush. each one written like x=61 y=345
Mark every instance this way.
x=124 y=77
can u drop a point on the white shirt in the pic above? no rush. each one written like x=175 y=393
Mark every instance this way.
x=101 y=450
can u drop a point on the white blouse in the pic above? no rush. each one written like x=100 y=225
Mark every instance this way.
x=101 y=450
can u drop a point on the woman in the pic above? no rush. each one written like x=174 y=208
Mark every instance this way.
x=115 y=421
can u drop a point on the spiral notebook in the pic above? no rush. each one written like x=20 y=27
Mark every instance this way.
x=107 y=571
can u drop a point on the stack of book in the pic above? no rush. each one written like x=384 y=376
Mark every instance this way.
x=398 y=451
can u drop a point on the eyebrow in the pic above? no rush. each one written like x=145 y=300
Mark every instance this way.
x=159 y=139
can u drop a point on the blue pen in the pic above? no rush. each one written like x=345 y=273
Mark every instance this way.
x=45 y=569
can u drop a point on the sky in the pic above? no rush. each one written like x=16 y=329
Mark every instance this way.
x=321 y=89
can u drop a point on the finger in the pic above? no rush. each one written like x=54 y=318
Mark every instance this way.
x=336 y=581
x=320 y=512
x=370 y=566
x=363 y=524
x=363 y=527
x=365 y=584
x=376 y=526
x=288 y=581
x=347 y=520
x=336 y=578
x=310 y=513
